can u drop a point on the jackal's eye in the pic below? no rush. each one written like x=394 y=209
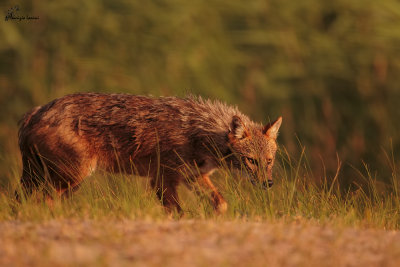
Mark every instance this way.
x=269 y=161
x=252 y=161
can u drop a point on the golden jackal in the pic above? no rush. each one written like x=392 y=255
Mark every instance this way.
x=67 y=139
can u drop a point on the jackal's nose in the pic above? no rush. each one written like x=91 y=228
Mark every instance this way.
x=268 y=184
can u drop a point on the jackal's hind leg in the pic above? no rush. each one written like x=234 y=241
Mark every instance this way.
x=82 y=170
x=53 y=179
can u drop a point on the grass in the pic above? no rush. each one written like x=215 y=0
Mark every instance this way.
x=116 y=220
x=295 y=196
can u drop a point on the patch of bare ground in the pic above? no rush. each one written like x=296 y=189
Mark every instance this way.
x=193 y=243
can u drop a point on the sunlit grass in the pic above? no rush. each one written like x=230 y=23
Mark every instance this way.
x=295 y=196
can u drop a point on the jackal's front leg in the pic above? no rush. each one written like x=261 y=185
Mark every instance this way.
x=218 y=201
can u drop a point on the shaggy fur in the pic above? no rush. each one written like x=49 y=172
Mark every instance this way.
x=67 y=139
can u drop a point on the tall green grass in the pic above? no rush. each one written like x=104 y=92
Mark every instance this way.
x=295 y=196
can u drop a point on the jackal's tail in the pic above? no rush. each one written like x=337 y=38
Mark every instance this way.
x=30 y=160
x=23 y=125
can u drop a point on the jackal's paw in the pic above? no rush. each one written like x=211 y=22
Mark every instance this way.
x=221 y=207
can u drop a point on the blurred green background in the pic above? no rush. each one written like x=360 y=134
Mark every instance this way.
x=330 y=68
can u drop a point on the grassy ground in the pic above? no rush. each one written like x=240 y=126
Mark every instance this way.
x=117 y=220
x=193 y=243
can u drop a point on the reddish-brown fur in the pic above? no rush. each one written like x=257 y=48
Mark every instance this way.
x=67 y=139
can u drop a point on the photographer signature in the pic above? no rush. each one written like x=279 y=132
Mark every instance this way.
x=12 y=15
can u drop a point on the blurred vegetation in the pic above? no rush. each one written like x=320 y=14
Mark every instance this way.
x=330 y=68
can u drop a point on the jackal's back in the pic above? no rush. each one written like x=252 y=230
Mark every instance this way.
x=131 y=126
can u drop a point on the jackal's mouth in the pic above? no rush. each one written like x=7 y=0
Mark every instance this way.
x=264 y=184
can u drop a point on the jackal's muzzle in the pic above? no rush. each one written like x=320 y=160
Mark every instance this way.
x=265 y=184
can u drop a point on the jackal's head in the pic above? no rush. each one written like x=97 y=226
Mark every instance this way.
x=254 y=148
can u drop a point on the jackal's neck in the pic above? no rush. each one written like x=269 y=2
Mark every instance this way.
x=214 y=116
x=210 y=121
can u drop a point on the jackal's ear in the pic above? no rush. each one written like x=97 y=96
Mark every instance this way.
x=237 y=128
x=271 y=129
